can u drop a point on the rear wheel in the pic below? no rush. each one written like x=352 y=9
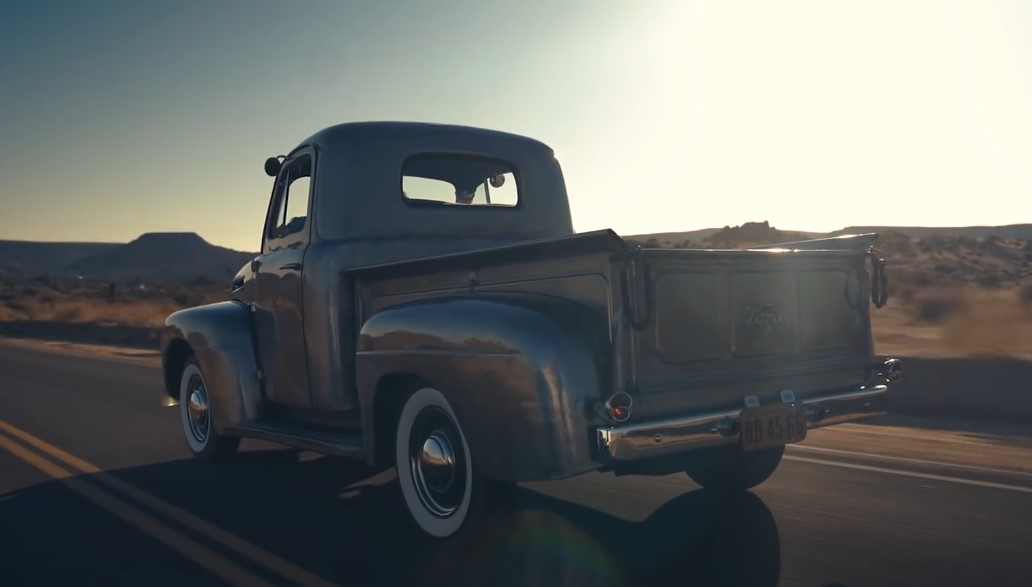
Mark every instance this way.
x=439 y=484
x=196 y=416
x=739 y=470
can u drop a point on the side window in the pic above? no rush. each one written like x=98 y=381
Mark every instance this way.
x=293 y=191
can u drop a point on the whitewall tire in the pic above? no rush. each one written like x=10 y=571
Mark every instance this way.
x=439 y=484
x=196 y=416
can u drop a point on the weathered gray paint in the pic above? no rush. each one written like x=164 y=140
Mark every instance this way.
x=527 y=326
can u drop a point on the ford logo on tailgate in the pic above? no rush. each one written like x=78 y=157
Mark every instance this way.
x=763 y=315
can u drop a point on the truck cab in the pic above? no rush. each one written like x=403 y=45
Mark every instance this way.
x=421 y=301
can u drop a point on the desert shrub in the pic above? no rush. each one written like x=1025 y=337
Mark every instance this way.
x=924 y=279
x=1025 y=295
x=944 y=268
x=16 y=304
x=200 y=280
x=904 y=292
x=186 y=299
x=938 y=307
x=990 y=280
x=909 y=278
x=68 y=313
x=932 y=244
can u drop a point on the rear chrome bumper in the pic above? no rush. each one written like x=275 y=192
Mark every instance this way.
x=638 y=441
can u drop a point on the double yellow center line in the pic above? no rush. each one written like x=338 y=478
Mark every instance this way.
x=116 y=496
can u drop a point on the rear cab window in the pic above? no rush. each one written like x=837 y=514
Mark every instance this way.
x=459 y=180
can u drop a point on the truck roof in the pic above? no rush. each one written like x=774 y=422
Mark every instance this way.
x=401 y=130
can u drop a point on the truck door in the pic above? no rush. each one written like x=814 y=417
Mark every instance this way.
x=278 y=286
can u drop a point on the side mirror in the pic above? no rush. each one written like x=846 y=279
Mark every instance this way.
x=273 y=166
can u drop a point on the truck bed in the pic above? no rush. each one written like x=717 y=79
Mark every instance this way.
x=688 y=328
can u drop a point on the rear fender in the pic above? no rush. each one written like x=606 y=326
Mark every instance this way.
x=524 y=373
x=219 y=335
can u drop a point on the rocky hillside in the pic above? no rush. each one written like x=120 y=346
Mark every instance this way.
x=991 y=262
x=738 y=236
x=1011 y=231
x=750 y=234
x=977 y=256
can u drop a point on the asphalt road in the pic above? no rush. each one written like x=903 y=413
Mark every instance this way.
x=98 y=488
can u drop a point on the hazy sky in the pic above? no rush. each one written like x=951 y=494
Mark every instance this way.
x=119 y=118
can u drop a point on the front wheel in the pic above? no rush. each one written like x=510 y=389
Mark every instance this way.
x=737 y=471
x=195 y=415
x=440 y=486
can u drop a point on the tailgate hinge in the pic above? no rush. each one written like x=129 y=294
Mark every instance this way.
x=629 y=284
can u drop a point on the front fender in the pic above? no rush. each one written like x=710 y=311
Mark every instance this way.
x=524 y=374
x=219 y=335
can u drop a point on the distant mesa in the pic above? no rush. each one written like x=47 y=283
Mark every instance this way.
x=169 y=238
x=167 y=257
x=164 y=257
x=752 y=234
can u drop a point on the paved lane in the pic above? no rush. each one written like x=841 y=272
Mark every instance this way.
x=279 y=514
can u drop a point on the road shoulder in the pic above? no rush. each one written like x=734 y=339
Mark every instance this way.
x=103 y=352
x=1006 y=448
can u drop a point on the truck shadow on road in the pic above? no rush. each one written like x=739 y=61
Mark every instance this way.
x=697 y=538
x=346 y=523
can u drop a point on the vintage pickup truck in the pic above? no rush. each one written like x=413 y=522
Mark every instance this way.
x=421 y=301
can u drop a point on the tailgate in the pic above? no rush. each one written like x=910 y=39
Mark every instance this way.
x=714 y=326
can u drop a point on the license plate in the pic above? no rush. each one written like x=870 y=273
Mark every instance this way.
x=772 y=425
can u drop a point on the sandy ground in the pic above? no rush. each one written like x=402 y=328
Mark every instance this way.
x=113 y=353
x=957 y=323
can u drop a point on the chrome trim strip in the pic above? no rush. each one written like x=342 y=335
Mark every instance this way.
x=643 y=440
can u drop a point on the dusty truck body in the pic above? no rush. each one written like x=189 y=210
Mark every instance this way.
x=421 y=301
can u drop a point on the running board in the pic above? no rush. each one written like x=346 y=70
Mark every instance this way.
x=343 y=445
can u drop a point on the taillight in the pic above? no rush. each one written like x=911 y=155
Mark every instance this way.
x=618 y=406
x=892 y=370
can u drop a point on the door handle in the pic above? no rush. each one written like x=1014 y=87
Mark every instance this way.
x=291 y=267
x=255 y=264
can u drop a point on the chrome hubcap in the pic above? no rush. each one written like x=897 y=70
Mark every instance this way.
x=438 y=464
x=198 y=408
